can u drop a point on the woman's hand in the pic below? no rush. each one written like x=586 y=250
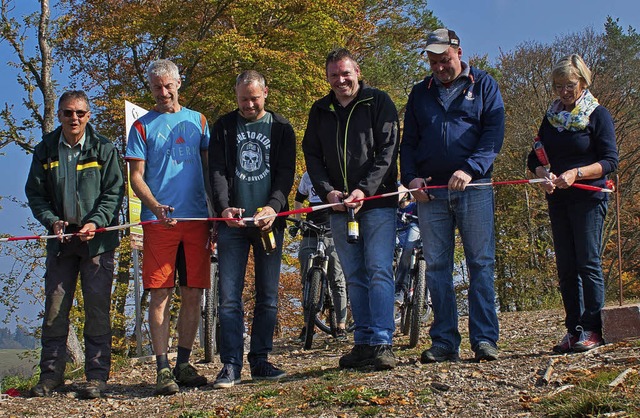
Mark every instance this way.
x=566 y=179
x=548 y=185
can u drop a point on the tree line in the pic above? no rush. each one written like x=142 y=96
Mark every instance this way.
x=104 y=46
x=20 y=338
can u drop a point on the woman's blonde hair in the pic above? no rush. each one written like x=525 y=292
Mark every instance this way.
x=571 y=65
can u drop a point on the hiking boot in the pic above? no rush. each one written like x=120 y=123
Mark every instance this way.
x=93 y=389
x=486 y=351
x=383 y=357
x=227 y=377
x=438 y=354
x=187 y=375
x=165 y=383
x=588 y=341
x=360 y=355
x=263 y=370
x=566 y=344
x=44 y=388
x=341 y=334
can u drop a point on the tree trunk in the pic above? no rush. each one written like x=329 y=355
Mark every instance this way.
x=75 y=353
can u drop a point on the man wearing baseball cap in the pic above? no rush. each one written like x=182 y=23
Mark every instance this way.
x=453 y=131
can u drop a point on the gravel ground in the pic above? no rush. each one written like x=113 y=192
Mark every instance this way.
x=512 y=386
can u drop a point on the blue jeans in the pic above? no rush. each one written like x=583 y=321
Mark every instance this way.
x=233 y=254
x=368 y=268
x=408 y=239
x=471 y=211
x=577 y=238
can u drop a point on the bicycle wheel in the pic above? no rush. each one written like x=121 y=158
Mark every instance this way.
x=326 y=316
x=211 y=334
x=405 y=316
x=313 y=305
x=426 y=312
x=417 y=306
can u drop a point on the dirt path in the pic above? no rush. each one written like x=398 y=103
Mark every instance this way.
x=512 y=386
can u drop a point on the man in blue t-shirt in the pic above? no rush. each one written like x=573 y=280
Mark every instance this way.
x=167 y=156
x=252 y=157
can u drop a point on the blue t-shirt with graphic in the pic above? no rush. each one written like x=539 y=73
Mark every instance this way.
x=170 y=144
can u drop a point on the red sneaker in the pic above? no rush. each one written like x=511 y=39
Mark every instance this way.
x=566 y=344
x=588 y=341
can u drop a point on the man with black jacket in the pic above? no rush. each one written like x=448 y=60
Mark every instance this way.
x=350 y=148
x=75 y=185
x=252 y=156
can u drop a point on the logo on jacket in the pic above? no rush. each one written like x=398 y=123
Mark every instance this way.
x=469 y=96
x=180 y=140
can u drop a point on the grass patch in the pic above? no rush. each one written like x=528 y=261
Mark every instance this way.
x=592 y=397
x=582 y=402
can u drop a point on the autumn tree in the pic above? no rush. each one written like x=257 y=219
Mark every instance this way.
x=525 y=273
x=35 y=75
x=214 y=40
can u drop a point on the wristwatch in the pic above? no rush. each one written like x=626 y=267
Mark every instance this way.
x=580 y=173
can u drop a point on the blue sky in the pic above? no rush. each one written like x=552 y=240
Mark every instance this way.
x=484 y=27
x=489 y=26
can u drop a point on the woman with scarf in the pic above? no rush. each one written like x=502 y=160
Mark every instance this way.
x=578 y=137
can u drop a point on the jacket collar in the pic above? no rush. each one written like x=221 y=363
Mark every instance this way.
x=364 y=92
x=52 y=138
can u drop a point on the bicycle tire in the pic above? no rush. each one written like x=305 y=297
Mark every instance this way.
x=325 y=316
x=405 y=315
x=313 y=304
x=419 y=288
x=211 y=332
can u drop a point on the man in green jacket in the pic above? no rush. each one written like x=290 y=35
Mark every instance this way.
x=75 y=186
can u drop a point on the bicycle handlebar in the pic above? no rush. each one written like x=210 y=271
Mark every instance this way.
x=305 y=225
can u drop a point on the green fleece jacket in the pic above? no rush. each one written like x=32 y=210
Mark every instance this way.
x=100 y=187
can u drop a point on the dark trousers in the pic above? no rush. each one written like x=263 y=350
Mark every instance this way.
x=577 y=239
x=96 y=277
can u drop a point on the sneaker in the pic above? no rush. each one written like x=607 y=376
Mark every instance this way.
x=438 y=354
x=383 y=359
x=263 y=370
x=227 y=377
x=93 y=389
x=44 y=388
x=588 y=341
x=486 y=351
x=341 y=334
x=165 y=383
x=566 y=344
x=187 y=375
x=360 y=355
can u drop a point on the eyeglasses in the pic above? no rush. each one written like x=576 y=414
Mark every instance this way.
x=567 y=87
x=69 y=113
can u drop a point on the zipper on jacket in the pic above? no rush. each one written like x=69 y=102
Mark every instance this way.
x=346 y=134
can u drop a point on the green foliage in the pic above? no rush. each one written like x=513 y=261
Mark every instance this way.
x=582 y=402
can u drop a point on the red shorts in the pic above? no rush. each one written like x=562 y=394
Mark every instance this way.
x=184 y=247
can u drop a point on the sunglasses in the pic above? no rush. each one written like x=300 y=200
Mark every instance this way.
x=69 y=113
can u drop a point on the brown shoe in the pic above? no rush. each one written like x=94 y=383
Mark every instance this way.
x=44 y=388
x=93 y=389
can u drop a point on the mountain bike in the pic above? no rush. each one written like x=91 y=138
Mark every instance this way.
x=317 y=300
x=416 y=304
